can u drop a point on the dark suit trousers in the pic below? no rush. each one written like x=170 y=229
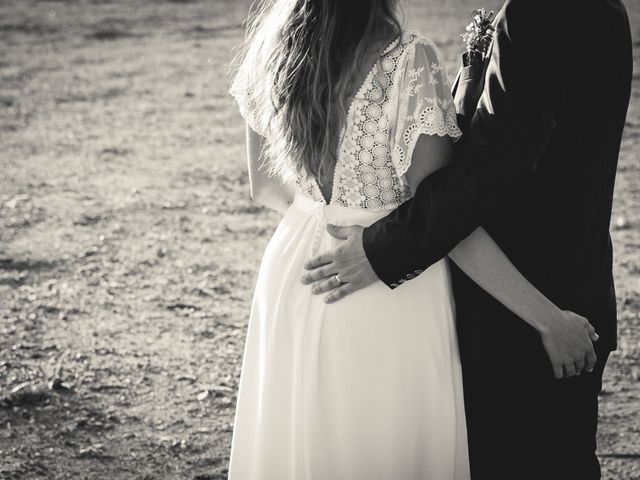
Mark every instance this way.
x=523 y=424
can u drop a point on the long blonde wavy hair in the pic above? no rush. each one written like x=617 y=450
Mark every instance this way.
x=299 y=62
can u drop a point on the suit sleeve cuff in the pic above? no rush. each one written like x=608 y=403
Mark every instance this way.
x=388 y=267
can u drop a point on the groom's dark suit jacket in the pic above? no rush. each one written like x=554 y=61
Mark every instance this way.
x=536 y=168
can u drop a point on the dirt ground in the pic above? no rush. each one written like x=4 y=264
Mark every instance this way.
x=129 y=246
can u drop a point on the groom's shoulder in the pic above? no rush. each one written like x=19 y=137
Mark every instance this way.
x=557 y=26
x=541 y=11
x=548 y=26
x=542 y=15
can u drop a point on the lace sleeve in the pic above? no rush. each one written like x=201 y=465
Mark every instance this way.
x=247 y=100
x=425 y=103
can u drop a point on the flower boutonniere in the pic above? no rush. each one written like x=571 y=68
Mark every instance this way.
x=478 y=37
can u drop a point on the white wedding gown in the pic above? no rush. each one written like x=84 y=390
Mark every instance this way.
x=370 y=387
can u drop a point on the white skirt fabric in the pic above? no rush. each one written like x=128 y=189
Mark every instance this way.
x=368 y=388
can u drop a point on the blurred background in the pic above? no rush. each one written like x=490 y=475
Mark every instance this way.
x=129 y=245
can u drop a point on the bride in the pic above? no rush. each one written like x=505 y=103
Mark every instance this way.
x=346 y=113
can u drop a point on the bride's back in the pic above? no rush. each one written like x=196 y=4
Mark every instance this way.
x=305 y=59
x=341 y=94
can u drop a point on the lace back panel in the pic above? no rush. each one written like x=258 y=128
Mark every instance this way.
x=406 y=94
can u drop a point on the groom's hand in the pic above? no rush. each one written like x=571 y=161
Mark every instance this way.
x=342 y=271
x=569 y=344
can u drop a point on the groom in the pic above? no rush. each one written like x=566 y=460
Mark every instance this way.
x=536 y=168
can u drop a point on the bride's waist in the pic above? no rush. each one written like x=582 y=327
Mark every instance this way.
x=337 y=215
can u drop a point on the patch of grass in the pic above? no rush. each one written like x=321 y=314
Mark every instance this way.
x=203 y=32
x=17 y=77
x=89 y=96
x=87 y=220
x=28 y=28
x=115 y=152
x=108 y=30
x=27 y=265
x=108 y=33
x=10 y=127
x=6 y=101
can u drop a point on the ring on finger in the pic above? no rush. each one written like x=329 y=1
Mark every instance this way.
x=337 y=277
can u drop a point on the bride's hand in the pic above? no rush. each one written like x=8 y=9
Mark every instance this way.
x=568 y=340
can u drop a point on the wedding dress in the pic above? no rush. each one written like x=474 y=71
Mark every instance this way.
x=370 y=387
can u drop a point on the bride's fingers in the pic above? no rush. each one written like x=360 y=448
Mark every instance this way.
x=591 y=361
x=569 y=369
x=558 y=371
x=592 y=332
x=318 y=274
x=340 y=293
x=579 y=366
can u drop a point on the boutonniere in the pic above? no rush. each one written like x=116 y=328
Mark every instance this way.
x=478 y=37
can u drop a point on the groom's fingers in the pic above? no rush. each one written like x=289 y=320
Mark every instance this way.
x=558 y=370
x=341 y=233
x=340 y=293
x=318 y=274
x=319 y=261
x=325 y=286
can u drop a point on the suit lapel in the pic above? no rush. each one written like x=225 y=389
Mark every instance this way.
x=454 y=89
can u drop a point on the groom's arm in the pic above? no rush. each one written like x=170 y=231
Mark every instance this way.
x=509 y=133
